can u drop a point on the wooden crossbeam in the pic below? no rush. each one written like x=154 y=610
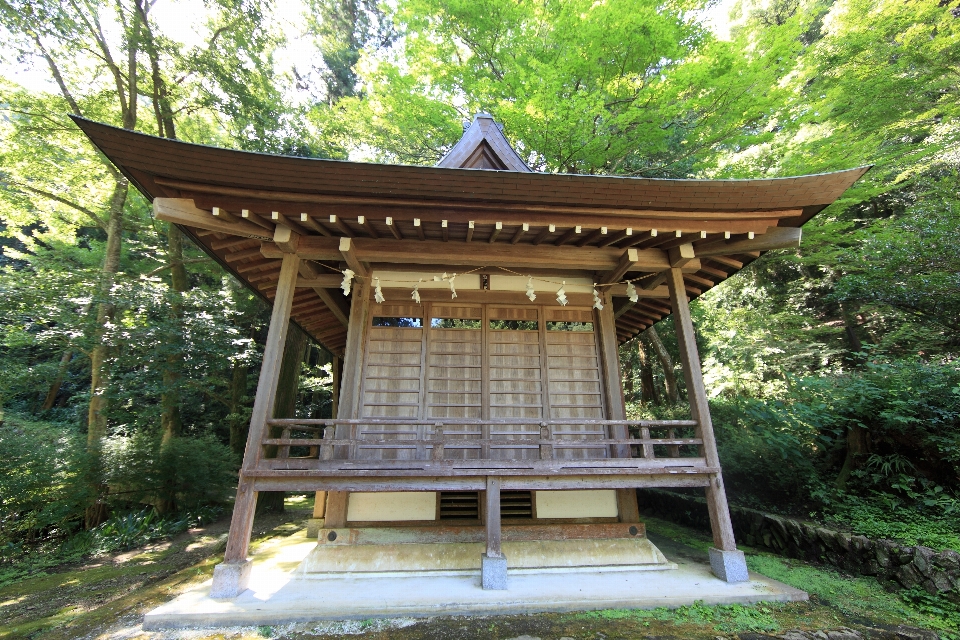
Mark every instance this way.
x=325 y=282
x=681 y=256
x=322 y=280
x=349 y=253
x=393 y=229
x=363 y=222
x=310 y=223
x=342 y=226
x=181 y=211
x=774 y=238
x=627 y=261
x=540 y=237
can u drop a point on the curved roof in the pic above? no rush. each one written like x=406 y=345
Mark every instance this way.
x=504 y=207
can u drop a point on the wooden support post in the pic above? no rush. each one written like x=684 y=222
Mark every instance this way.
x=231 y=580
x=700 y=411
x=493 y=564
x=607 y=332
x=347 y=405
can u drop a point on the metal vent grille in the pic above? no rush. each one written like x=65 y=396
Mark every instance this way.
x=459 y=505
x=516 y=504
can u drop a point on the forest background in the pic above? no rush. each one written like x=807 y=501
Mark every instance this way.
x=128 y=359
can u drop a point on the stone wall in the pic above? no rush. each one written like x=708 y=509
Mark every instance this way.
x=895 y=565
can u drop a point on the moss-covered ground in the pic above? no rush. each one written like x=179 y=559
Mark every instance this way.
x=106 y=598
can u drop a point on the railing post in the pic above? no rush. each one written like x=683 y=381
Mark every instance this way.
x=437 y=453
x=493 y=564
x=648 y=451
x=284 y=450
x=546 y=449
x=674 y=449
x=326 y=450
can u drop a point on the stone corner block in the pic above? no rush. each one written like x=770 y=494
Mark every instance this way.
x=313 y=527
x=493 y=572
x=230 y=579
x=729 y=566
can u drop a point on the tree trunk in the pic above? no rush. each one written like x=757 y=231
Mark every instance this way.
x=170 y=421
x=666 y=363
x=857 y=445
x=648 y=390
x=99 y=355
x=239 y=421
x=285 y=405
x=852 y=327
x=57 y=381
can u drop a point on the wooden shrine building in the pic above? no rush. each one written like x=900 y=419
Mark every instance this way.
x=480 y=400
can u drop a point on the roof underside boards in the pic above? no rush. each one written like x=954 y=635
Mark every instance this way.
x=506 y=210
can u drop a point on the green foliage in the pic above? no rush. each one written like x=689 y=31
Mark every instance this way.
x=860 y=597
x=185 y=472
x=725 y=618
x=42 y=489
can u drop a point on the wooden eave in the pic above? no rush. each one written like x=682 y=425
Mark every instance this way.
x=506 y=210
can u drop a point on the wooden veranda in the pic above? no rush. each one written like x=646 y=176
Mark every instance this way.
x=485 y=306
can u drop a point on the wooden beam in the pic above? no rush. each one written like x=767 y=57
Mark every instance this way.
x=469 y=236
x=322 y=280
x=310 y=223
x=238 y=540
x=286 y=239
x=231 y=241
x=540 y=237
x=727 y=262
x=418 y=227
x=255 y=219
x=182 y=211
x=224 y=215
x=617 y=237
x=681 y=255
x=519 y=234
x=363 y=222
x=654 y=282
x=717 y=507
x=627 y=261
x=350 y=257
x=333 y=302
x=534 y=212
x=342 y=226
x=290 y=221
x=567 y=236
x=445 y=231
x=476 y=255
x=492 y=515
x=774 y=238
x=498 y=227
x=393 y=229
x=253 y=252
x=590 y=237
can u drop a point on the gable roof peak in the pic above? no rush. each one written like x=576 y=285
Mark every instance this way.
x=483 y=146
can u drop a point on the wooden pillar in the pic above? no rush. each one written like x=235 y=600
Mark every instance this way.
x=700 y=411
x=320 y=498
x=627 y=508
x=493 y=564
x=238 y=540
x=348 y=405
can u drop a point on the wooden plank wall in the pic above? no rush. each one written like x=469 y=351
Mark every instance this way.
x=509 y=371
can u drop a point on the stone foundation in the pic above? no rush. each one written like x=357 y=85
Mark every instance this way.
x=896 y=566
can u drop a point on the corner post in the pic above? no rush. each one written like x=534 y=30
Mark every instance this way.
x=627 y=508
x=348 y=403
x=493 y=564
x=726 y=561
x=231 y=576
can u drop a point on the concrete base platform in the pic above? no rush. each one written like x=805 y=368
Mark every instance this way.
x=279 y=594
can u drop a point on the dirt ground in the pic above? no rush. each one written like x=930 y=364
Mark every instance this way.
x=105 y=599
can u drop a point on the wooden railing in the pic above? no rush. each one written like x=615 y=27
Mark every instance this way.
x=428 y=440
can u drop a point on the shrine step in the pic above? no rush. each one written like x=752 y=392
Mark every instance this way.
x=416 y=549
